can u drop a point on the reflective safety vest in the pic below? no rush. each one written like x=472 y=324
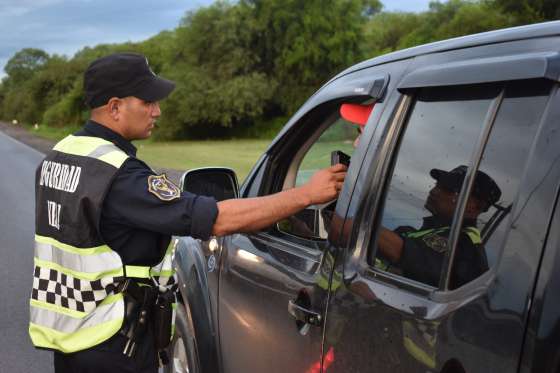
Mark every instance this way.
x=74 y=302
x=472 y=232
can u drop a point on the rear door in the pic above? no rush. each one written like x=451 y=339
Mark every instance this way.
x=270 y=281
x=411 y=313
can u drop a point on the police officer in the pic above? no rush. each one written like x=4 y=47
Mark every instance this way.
x=419 y=253
x=104 y=221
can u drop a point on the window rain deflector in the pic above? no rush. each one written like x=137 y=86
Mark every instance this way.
x=540 y=65
x=467 y=186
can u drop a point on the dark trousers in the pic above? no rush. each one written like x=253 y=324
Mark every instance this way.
x=108 y=358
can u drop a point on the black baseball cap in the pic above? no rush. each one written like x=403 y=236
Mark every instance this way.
x=484 y=187
x=122 y=75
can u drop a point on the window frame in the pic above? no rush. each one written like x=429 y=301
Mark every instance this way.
x=285 y=173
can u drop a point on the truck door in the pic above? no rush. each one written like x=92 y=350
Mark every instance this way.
x=439 y=265
x=273 y=284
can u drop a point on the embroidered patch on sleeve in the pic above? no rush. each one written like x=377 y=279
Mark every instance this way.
x=436 y=243
x=162 y=188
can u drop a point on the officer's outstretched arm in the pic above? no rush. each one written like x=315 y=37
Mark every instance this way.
x=252 y=214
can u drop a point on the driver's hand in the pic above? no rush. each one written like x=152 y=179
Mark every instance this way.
x=325 y=184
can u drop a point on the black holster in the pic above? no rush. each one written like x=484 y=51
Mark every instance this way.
x=162 y=318
x=147 y=307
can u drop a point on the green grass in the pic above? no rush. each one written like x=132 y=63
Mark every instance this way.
x=319 y=156
x=239 y=155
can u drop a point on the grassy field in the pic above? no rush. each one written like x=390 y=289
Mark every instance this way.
x=240 y=155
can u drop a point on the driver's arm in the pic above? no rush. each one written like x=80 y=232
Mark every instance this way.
x=390 y=244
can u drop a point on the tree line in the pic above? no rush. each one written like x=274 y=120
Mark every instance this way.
x=243 y=67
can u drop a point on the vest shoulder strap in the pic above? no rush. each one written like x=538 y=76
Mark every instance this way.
x=474 y=234
x=93 y=147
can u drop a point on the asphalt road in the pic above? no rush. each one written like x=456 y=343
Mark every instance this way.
x=17 y=206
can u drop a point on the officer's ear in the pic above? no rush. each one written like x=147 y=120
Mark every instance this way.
x=114 y=107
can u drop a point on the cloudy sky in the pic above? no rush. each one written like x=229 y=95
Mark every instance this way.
x=66 y=26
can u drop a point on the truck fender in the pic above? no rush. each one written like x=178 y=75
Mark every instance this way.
x=190 y=264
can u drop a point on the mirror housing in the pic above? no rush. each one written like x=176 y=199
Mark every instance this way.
x=218 y=182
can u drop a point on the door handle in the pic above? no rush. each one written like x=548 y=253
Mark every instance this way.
x=303 y=314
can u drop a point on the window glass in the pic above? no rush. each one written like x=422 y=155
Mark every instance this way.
x=336 y=134
x=505 y=157
x=440 y=136
x=436 y=147
x=340 y=135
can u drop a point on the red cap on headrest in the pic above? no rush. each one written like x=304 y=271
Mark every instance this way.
x=356 y=113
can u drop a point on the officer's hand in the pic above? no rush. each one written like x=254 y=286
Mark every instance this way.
x=325 y=184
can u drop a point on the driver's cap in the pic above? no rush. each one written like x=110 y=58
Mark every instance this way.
x=356 y=113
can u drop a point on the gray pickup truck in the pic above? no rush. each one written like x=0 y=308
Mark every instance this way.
x=473 y=290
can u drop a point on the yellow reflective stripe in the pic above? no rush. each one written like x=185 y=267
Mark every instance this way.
x=137 y=271
x=382 y=265
x=418 y=233
x=77 y=341
x=173 y=316
x=79 y=145
x=72 y=249
x=419 y=354
x=323 y=282
x=80 y=275
x=59 y=309
x=85 y=145
x=474 y=235
x=115 y=158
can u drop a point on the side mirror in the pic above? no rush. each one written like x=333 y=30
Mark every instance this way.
x=218 y=182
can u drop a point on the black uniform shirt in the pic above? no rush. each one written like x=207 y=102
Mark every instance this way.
x=135 y=222
x=422 y=257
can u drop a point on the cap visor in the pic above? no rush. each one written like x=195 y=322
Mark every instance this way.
x=155 y=89
x=356 y=113
x=436 y=174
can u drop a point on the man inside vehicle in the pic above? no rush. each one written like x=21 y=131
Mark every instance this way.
x=419 y=253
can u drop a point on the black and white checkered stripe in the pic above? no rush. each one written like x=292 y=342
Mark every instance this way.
x=60 y=289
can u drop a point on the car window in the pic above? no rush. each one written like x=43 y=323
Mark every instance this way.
x=333 y=133
x=439 y=138
x=442 y=132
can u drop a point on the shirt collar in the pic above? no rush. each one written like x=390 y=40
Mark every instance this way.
x=93 y=128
